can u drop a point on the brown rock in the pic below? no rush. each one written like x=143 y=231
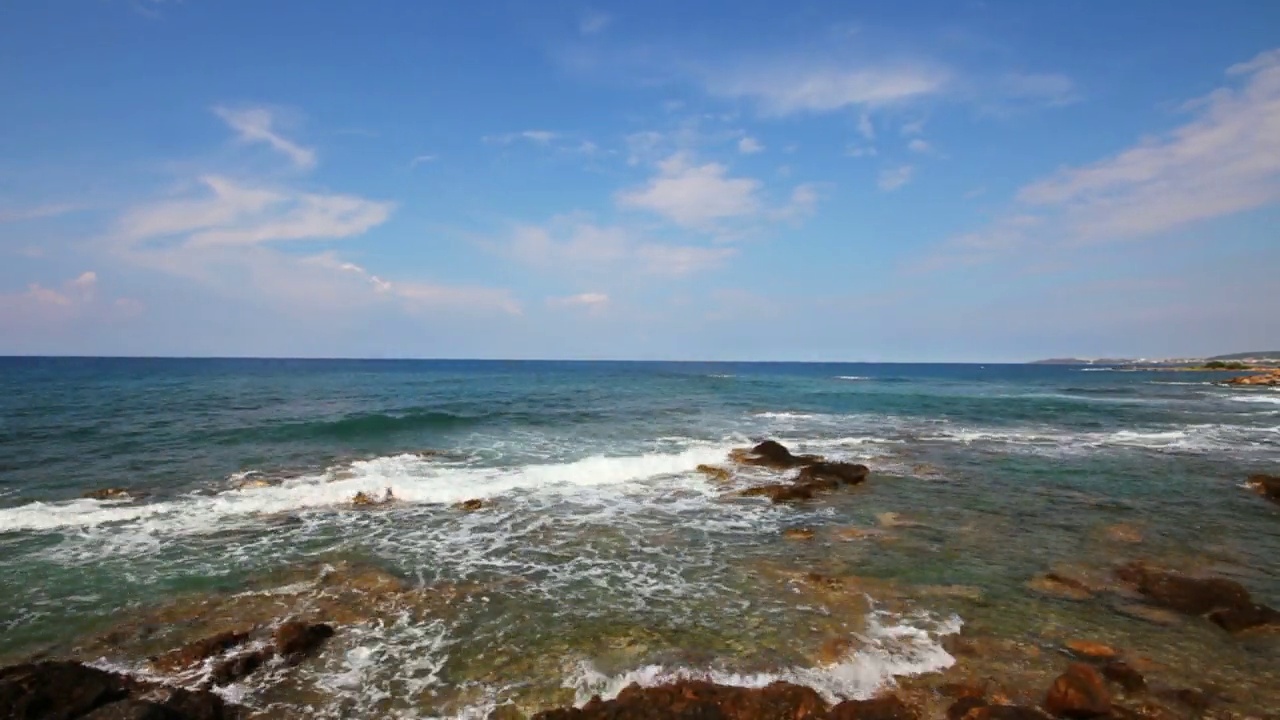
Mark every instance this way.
x=1123 y=533
x=295 y=640
x=470 y=505
x=772 y=454
x=798 y=533
x=1268 y=486
x=961 y=708
x=362 y=499
x=718 y=474
x=1150 y=614
x=962 y=690
x=834 y=651
x=781 y=493
x=971 y=709
x=113 y=493
x=699 y=700
x=1080 y=692
x=885 y=708
x=838 y=472
x=196 y=652
x=1197 y=700
x=1059 y=587
x=857 y=533
x=62 y=690
x=1189 y=595
x=1091 y=650
x=1125 y=676
x=1245 y=617
x=238 y=667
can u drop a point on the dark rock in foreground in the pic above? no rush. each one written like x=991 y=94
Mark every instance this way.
x=816 y=475
x=63 y=690
x=700 y=700
x=1268 y=486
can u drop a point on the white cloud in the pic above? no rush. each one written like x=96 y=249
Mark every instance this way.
x=865 y=127
x=38 y=212
x=803 y=203
x=694 y=196
x=537 y=137
x=573 y=246
x=593 y=23
x=257 y=125
x=861 y=151
x=38 y=306
x=749 y=145
x=919 y=145
x=233 y=214
x=420 y=159
x=894 y=178
x=788 y=87
x=915 y=127
x=594 y=302
x=1223 y=160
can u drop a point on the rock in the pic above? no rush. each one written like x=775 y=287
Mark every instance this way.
x=238 y=667
x=1091 y=650
x=1057 y=586
x=798 y=533
x=1123 y=533
x=1125 y=676
x=893 y=520
x=857 y=533
x=962 y=690
x=962 y=707
x=838 y=472
x=1197 y=700
x=772 y=454
x=1268 y=486
x=885 y=708
x=197 y=652
x=62 y=690
x=718 y=474
x=1003 y=712
x=780 y=493
x=1080 y=692
x=363 y=498
x=1245 y=617
x=1269 y=378
x=699 y=700
x=1226 y=602
x=835 y=650
x=1150 y=614
x=112 y=493
x=295 y=640
x=471 y=505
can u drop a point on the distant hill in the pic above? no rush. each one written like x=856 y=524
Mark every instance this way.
x=1260 y=355
x=1061 y=361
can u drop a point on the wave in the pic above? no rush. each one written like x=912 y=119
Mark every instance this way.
x=1273 y=400
x=410 y=478
x=890 y=651
x=852 y=377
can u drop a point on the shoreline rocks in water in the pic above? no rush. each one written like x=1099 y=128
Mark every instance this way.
x=67 y=690
x=1268 y=486
x=111 y=493
x=816 y=475
x=1270 y=378
x=1225 y=602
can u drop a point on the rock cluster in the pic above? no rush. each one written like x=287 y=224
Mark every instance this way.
x=69 y=690
x=1270 y=378
x=1268 y=486
x=815 y=475
x=1225 y=602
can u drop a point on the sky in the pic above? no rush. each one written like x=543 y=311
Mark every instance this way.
x=923 y=180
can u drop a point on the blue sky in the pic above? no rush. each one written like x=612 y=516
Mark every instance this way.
x=907 y=181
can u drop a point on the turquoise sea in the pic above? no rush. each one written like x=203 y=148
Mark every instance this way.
x=601 y=554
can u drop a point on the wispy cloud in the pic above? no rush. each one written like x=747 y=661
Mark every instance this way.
x=749 y=145
x=38 y=212
x=893 y=178
x=537 y=137
x=1224 y=160
x=594 y=22
x=594 y=303
x=919 y=145
x=257 y=124
x=422 y=159
x=572 y=245
x=786 y=87
x=694 y=196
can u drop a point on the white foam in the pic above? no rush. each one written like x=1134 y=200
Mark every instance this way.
x=1273 y=400
x=887 y=652
x=410 y=478
x=852 y=377
x=787 y=415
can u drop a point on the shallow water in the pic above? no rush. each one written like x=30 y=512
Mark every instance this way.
x=604 y=557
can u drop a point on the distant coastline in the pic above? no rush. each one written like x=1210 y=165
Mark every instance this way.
x=1235 y=362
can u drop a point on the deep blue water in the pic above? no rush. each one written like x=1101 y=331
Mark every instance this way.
x=1006 y=468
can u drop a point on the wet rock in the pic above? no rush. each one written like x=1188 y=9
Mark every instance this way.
x=857 y=533
x=1123 y=533
x=699 y=700
x=1186 y=594
x=1269 y=378
x=295 y=639
x=961 y=708
x=1080 y=692
x=835 y=650
x=1197 y=700
x=1091 y=650
x=1268 y=486
x=714 y=472
x=238 y=667
x=471 y=505
x=839 y=472
x=772 y=454
x=197 y=652
x=781 y=493
x=1057 y=586
x=111 y=493
x=1125 y=676
x=1004 y=712
x=885 y=708
x=962 y=690
x=1245 y=617
x=893 y=520
x=362 y=499
x=798 y=533
x=1150 y=614
x=59 y=690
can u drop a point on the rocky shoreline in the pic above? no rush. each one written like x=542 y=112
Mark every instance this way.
x=185 y=652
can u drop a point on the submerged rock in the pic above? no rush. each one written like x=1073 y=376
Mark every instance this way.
x=197 y=652
x=111 y=493
x=1148 y=613
x=839 y=472
x=1226 y=602
x=1091 y=650
x=295 y=639
x=696 y=699
x=1123 y=533
x=798 y=533
x=1268 y=486
x=783 y=492
x=1079 y=693
x=64 y=689
x=471 y=505
x=1125 y=676
x=1057 y=586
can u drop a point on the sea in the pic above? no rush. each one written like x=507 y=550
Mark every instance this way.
x=601 y=555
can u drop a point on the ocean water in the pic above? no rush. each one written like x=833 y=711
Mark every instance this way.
x=603 y=557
